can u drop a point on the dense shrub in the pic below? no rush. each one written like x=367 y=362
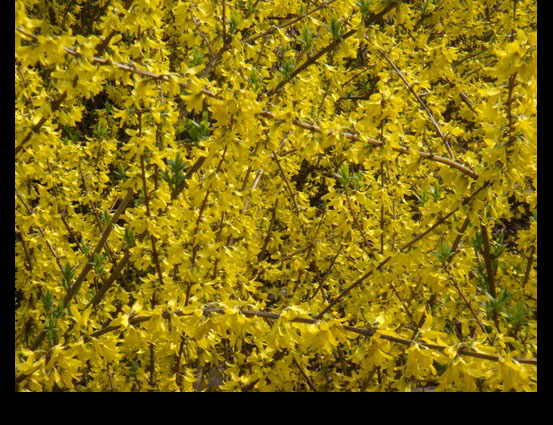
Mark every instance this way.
x=275 y=195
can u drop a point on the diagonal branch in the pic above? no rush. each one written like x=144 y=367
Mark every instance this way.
x=424 y=106
x=488 y=260
x=124 y=67
x=109 y=282
x=313 y=59
x=263 y=253
x=41 y=231
x=467 y=303
x=374 y=142
x=88 y=266
x=291 y=193
x=385 y=261
x=307 y=379
x=287 y=24
x=529 y=265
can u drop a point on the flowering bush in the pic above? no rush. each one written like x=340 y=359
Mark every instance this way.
x=275 y=195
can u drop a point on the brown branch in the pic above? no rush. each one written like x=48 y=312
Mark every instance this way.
x=287 y=24
x=152 y=365
x=197 y=165
x=178 y=376
x=218 y=239
x=313 y=59
x=307 y=379
x=88 y=266
x=368 y=380
x=488 y=260
x=27 y=254
x=195 y=246
x=263 y=253
x=94 y=209
x=202 y=34
x=310 y=61
x=124 y=67
x=378 y=143
x=367 y=332
x=296 y=252
x=382 y=220
x=213 y=61
x=467 y=101
x=467 y=303
x=109 y=282
x=512 y=81
x=249 y=387
x=403 y=248
x=54 y=106
x=30 y=212
x=325 y=274
x=529 y=265
x=204 y=202
x=122 y=206
x=105 y=42
x=424 y=106
x=458 y=239
x=71 y=233
x=368 y=245
x=254 y=185
x=292 y=195
x=267 y=114
x=109 y=378
x=152 y=238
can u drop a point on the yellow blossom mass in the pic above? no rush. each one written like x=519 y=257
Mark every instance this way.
x=251 y=195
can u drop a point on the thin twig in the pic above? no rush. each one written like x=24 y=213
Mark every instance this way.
x=109 y=282
x=313 y=59
x=488 y=260
x=291 y=22
x=124 y=67
x=385 y=261
x=292 y=196
x=152 y=365
x=54 y=106
x=27 y=254
x=266 y=114
x=467 y=303
x=195 y=167
x=202 y=34
x=178 y=376
x=152 y=238
x=510 y=117
x=88 y=265
x=30 y=212
x=325 y=274
x=529 y=265
x=307 y=379
x=254 y=185
x=378 y=143
x=368 y=245
x=263 y=253
x=424 y=106
x=458 y=238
